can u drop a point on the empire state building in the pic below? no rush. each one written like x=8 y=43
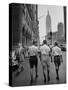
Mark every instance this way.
x=48 y=23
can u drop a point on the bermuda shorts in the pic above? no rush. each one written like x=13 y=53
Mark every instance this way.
x=57 y=61
x=33 y=61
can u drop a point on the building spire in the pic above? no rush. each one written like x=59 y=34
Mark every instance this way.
x=48 y=22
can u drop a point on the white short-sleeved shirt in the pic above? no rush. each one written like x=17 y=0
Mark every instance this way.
x=45 y=49
x=56 y=51
x=33 y=50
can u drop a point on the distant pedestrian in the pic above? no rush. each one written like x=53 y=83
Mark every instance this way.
x=45 y=59
x=57 y=53
x=33 y=59
x=20 y=56
x=14 y=61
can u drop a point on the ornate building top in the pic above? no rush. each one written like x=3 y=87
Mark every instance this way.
x=48 y=22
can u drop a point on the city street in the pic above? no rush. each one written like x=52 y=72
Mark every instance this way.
x=24 y=77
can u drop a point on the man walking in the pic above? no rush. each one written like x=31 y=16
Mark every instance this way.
x=57 y=53
x=45 y=59
x=33 y=59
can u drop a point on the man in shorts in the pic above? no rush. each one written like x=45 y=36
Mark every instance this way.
x=57 y=53
x=33 y=59
x=45 y=59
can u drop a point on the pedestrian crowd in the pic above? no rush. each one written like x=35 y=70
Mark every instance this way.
x=45 y=53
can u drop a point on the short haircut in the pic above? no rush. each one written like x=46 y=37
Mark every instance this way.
x=56 y=43
x=44 y=42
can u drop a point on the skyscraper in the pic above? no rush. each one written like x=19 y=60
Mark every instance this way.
x=60 y=30
x=48 y=23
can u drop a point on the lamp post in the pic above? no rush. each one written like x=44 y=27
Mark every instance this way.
x=51 y=37
x=65 y=18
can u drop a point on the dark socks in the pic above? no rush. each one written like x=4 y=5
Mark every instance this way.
x=36 y=73
x=48 y=75
x=57 y=74
x=44 y=77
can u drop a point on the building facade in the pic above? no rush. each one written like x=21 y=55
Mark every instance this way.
x=48 y=23
x=48 y=36
x=60 y=30
x=25 y=24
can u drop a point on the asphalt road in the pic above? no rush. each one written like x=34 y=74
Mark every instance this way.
x=23 y=79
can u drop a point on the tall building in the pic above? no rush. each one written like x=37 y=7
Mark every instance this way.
x=60 y=33
x=48 y=23
x=48 y=36
x=24 y=23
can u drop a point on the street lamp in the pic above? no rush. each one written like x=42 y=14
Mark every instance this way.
x=51 y=37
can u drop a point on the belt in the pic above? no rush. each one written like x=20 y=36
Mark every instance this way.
x=45 y=54
x=33 y=56
x=56 y=55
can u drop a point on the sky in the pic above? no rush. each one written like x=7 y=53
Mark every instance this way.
x=56 y=13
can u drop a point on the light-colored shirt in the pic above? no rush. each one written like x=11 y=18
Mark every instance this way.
x=20 y=51
x=45 y=49
x=33 y=50
x=13 y=55
x=56 y=51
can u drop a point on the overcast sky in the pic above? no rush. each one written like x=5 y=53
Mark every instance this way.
x=56 y=13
